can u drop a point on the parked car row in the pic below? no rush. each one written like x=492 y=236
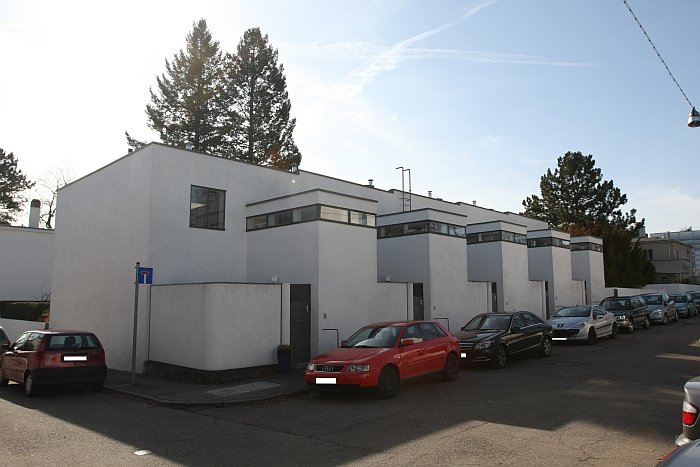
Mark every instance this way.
x=382 y=355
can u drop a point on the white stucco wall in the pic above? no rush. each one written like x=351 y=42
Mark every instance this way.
x=26 y=256
x=215 y=326
x=448 y=279
x=588 y=266
x=104 y=228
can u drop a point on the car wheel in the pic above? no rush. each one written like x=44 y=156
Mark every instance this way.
x=646 y=324
x=675 y=318
x=451 y=370
x=665 y=320
x=4 y=381
x=501 y=359
x=388 y=383
x=29 y=386
x=630 y=326
x=592 y=337
x=613 y=331
x=546 y=346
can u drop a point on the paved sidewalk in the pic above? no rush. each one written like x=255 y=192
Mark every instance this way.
x=178 y=393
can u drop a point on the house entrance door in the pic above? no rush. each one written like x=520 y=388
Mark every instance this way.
x=300 y=322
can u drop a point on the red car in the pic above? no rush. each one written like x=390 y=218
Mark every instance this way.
x=381 y=355
x=46 y=357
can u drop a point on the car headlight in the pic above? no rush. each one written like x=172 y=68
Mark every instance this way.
x=657 y=312
x=358 y=368
x=483 y=345
x=578 y=325
x=623 y=316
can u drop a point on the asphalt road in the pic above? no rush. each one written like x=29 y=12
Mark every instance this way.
x=615 y=403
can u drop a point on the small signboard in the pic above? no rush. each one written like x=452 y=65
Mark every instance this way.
x=144 y=275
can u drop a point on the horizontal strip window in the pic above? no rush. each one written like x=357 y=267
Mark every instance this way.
x=497 y=236
x=420 y=227
x=548 y=241
x=587 y=246
x=313 y=212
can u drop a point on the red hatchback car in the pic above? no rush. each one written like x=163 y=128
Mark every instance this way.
x=381 y=355
x=40 y=358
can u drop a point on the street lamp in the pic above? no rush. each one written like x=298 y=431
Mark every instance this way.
x=694 y=118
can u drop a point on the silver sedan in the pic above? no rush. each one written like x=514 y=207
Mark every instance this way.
x=583 y=323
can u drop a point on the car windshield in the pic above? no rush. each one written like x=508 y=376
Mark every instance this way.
x=652 y=299
x=679 y=298
x=695 y=295
x=616 y=304
x=573 y=312
x=374 y=336
x=488 y=322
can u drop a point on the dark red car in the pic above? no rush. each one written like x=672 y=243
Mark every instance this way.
x=39 y=358
x=382 y=355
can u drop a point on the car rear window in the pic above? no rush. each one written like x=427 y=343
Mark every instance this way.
x=72 y=341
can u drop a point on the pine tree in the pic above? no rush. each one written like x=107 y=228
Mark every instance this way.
x=187 y=107
x=12 y=183
x=259 y=128
x=576 y=199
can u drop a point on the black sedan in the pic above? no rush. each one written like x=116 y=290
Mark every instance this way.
x=495 y=337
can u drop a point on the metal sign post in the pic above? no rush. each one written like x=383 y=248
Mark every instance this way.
x=136 y=318
x=143 y=276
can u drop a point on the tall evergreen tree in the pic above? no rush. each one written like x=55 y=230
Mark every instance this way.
x=187 y=107
x=259 y=127
x=576 y=199
x=12 y=183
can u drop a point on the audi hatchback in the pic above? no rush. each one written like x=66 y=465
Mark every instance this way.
x=382 y=355
x=42 y=358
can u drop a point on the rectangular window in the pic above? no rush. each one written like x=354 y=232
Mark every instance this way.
x=362 y=218
x=257 y=222
x=207 y=208
x=334 y=214
x=416 y=227
x=279 y=218
x=308 y=213
x=395 y=230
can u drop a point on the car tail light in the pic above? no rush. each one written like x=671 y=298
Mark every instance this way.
x=690 y=414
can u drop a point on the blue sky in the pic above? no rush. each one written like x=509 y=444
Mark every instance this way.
x=478 y=98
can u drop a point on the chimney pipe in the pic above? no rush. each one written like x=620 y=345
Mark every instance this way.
x=189 y=146
x=430 y=193
x=34 y=211
x=371 y=182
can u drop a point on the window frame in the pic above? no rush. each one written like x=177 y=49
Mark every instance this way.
x=219 y=214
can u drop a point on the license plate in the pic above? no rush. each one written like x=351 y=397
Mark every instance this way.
x=75 y=358
x=325 y=381
x=558 y=338
x=464 y=355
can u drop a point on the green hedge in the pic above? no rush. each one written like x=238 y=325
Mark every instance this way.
x=26 y=311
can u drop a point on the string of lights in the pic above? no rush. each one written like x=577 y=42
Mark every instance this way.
x=657 y=53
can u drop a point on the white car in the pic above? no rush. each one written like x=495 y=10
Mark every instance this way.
x=583 y=323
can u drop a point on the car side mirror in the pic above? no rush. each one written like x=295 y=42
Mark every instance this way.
x=5 y=346
x=342 y=343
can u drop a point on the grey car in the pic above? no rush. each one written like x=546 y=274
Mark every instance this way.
x=661 y=308
x=685 y=305
x=630 y=311
x=691 y=404
x=582 y=323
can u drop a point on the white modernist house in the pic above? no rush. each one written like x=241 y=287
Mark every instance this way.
x=248 y=257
